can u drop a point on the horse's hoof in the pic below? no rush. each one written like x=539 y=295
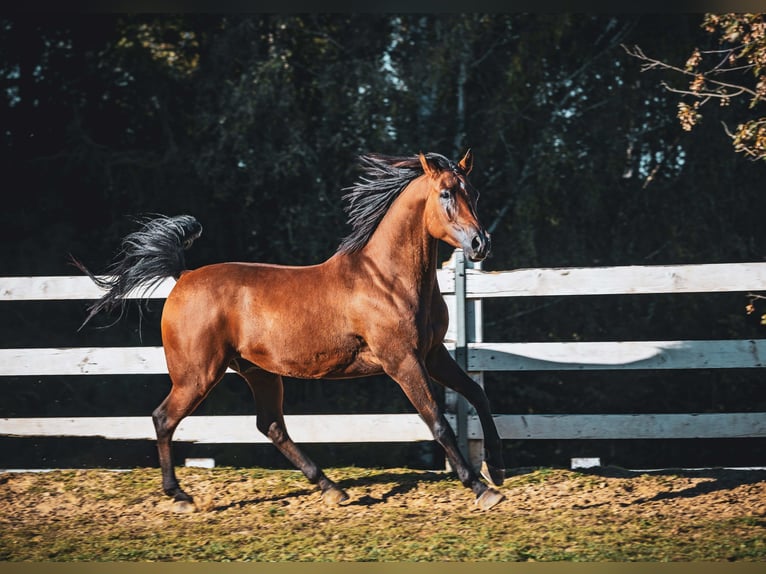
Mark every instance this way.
x=488 y=499
x=184 y=507
x=493 y=474
x=334 y=496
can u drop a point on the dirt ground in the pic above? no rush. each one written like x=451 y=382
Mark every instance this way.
x=392 y=514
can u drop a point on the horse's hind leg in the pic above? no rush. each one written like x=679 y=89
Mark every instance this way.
x=268 y=393
x=187 y=392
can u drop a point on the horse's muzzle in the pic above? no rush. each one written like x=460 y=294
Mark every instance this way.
x=479 y=247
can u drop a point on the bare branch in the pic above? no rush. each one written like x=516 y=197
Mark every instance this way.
x=705 y=95
x=652 y=63
x=748 y=55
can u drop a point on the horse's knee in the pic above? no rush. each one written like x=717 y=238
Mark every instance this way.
x=160 y=420
x=441 y=430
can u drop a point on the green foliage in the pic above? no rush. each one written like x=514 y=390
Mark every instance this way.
x=252 y=122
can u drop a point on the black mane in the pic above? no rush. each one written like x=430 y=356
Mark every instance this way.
x=368 y=200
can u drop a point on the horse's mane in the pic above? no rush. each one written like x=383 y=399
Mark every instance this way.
x=384 y=178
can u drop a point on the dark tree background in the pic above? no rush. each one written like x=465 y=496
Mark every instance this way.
x=252 y=123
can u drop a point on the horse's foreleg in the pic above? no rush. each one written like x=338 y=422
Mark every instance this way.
x=268 y=393
x=412 y=377
x=444 y=370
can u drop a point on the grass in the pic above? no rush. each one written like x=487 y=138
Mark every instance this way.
x=393 y=515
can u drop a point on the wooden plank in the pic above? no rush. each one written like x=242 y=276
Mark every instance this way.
x=83 y=361
x=60 y=288
x=726 y=354
x=626 y=355
x=401 y=427
x=63 y=288
x=721 y=277
x=638 y=426
x=445 y=277
x=713 y=278
x=230 y=429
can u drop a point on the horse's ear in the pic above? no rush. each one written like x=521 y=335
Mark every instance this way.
x=429 y=168
x=466 y=164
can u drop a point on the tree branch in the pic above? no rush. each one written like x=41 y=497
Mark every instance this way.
x=652 y=63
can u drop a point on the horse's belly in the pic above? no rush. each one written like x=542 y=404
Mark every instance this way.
x=364 y=365
x=349 y=359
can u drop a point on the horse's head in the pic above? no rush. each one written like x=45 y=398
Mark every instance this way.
x=451 y=207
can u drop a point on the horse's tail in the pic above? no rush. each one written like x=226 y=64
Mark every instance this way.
x=147 y=257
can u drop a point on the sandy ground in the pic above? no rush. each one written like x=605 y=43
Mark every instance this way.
x=670 y=503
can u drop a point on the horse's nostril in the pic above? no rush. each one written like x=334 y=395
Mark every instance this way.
x=480 y=245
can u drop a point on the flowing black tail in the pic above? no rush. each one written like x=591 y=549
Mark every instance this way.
x=147 y=257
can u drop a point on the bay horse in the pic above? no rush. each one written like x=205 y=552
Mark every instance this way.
x=373 y=307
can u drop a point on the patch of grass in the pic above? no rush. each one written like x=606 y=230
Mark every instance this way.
x=393 y=515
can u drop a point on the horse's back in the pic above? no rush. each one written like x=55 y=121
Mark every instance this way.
x=232 y=293
x=233 y=280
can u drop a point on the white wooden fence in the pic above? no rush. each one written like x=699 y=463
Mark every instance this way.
x=464 y=289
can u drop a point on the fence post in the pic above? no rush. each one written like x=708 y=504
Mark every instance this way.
x=468 y=328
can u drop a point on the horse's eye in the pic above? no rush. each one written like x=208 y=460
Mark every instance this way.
x=445 y=194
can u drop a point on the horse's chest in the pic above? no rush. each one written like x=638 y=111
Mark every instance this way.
x=420 y=325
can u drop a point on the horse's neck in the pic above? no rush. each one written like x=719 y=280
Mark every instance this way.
x=401 y=247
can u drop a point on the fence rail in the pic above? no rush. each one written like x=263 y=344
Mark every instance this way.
x=232 y=429
x=626 y=355
x=464 y=289
x=630 y=279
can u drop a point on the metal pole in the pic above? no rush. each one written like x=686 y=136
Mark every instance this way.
x=461 y=348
